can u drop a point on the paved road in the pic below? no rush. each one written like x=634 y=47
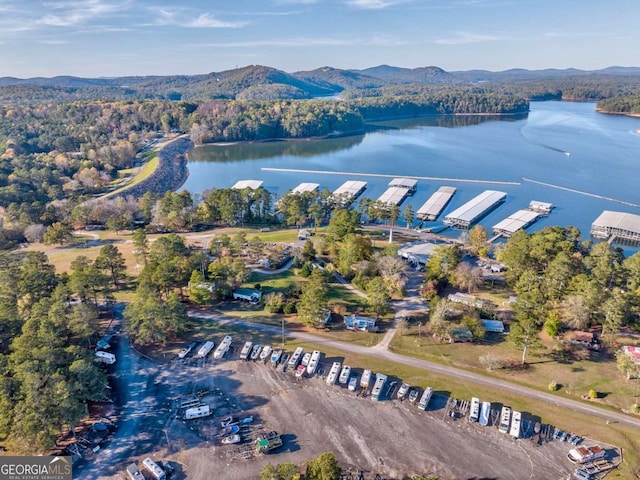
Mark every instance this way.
x=457 y=373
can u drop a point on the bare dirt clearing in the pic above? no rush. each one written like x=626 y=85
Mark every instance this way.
x=391 y=438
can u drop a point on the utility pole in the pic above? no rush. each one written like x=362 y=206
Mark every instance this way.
x=419 y=331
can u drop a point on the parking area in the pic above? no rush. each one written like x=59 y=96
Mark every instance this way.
x=391 y=438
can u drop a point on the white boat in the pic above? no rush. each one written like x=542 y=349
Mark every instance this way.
x=314 y=362
x=255 y=352
x=333 y=373
x=305 y=359
x=344 y=374
x=275 y=356
x=516 y=419
x=505 y=419
x=204 y=350
x=474 y=410
x=425 y=398
x=300 y=371
x=246 y=351
x=231 y=439
x=403 y=390
x=366 y=379
x=413 y=395
x=295 y=358
x=266 y=351
x=484 y=414
x=353 y=383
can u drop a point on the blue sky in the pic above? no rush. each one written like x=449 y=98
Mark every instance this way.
x=94 y=38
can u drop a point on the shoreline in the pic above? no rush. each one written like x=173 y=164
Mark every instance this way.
x=625 y=114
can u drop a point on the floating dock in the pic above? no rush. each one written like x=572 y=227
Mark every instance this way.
x=252 y=184
x=409 y=183
x=472 y=211
x=514 y=222
x=616 y=225
x=436 y=203
x=543 y=208
x=306 y=187
x=348 y=192
x=394 y=195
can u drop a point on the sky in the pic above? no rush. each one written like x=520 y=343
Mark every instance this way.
x=109 y=38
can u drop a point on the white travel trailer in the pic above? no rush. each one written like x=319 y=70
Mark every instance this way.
x=222 y=348
x=105 y=357
x=204 y=350
x=426 y=398
x=474 y=411
x=197 y=412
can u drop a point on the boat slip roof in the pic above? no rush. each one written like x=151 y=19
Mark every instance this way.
x=516 y=221
x=351 y=188
x=394 y=195
x=475 y=207
x=306 y=187
x=433 y=207
x=252 y=184
x=403 y=182
x=618 y=220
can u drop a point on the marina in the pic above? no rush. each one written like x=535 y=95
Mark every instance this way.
x=514 y=222
x=252 y=184
x=472 y=211
x=616 y=225
x=433 y=207
x=348 y=192
x=394 y=196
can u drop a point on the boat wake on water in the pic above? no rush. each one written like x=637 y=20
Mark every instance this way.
x=543 y=145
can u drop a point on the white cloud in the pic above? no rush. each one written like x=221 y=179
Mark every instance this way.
x=182 y=17
x=207 y=21
x=375 y=4
x=74 y=13
x=304 y=42
x=463 y=38
x=53 y=42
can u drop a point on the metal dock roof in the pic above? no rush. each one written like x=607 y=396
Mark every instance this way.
x=349 y=190
x=394 y=195
x=542 y=207
x=475 y=209
x=514 y=222
x=252 y=184
x=616 y=224
x=306 y=187
x=408 y=183
x=436 y=203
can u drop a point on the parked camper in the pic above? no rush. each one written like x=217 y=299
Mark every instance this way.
x=264 y=354
x=344 y=374
x=365 y=380
x=186 y=350
x=197 y=412
x=133 y=473
x=294 y=360
x=333 y=373
x=376 y=393
x=403 y=390
x=105 y=357
x=246 y=351
x=154 y=469
x=586 y=454
x=484 y=414
x=222 y=348
x=505 y=419
x=474 y=411
x=204 y=350
x=306 y=358
x=275 y=356
x=314 y=361
x=516 y=419
x=425 y=398
x=353 y=383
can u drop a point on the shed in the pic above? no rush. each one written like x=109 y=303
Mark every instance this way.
x=459 y=334
x=249 y=294
x=493 y=326
x=363 y=324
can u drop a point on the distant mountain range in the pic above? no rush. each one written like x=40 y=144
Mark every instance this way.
x=257 y=82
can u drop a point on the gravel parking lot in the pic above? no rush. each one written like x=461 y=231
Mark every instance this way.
x=390 y=438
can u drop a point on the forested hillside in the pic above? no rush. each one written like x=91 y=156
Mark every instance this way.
x=625 y=105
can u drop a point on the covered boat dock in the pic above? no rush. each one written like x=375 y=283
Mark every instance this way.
x=348 y=192
x=472 y=211
x=306 y=187
x=616 y=225
x=436 y=203
x=252 y=184
x=514 y=222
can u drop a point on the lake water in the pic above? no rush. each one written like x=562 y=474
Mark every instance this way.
x=560 y=143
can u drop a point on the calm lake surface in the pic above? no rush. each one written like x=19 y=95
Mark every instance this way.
x=560 y=143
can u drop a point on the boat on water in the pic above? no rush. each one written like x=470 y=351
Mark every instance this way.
x=231 y=439
x=313 y=362
x=403 y=390
x=413 y=395
x=275 y=355
x=255 y=352
x=484 y=414
x=305 y=359
x=266 y=351
x=300 y=371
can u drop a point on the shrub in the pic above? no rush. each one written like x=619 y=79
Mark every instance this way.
x=289 y=308
x=553 y=386
x=593 y=394
x=305 y=271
